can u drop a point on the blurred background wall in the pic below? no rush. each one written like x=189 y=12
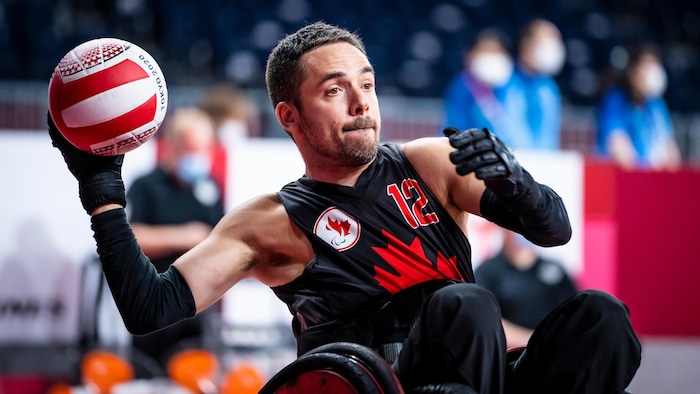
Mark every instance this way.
x=415 y=47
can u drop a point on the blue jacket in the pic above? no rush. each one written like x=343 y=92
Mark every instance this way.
x=648 y=125
x=504 y=110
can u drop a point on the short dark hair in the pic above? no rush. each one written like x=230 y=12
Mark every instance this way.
x=284 y=71
x=638 y=50
x=494 y=33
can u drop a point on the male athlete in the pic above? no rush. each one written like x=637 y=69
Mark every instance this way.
x=365 y=221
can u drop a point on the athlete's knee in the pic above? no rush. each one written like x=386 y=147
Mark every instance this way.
x=466 y=302
x=601 y=304
x=606 y=314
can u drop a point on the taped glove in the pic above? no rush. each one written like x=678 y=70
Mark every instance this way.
x=512 y=198
x=99 y=177
x=481 y=152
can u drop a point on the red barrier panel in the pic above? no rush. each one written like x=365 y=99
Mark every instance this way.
x=642 y=244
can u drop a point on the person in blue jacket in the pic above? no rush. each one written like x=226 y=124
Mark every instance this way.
x=480 y=95
x=541 y=56
x=634 y=125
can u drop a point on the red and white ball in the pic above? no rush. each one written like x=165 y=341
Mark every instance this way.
x=107 y=96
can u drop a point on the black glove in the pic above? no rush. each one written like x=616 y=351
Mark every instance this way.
x=99 y=177
x=481 y=152
x=512 y=199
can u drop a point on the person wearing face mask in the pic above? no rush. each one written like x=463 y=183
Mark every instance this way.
x=481 y=94
x=634 y=125
x=235 y=118
x=172 y=209
x=541 y=56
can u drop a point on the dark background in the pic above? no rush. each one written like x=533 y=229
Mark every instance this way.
x=414 y=45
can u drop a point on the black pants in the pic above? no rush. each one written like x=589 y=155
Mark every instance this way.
x=586 y=345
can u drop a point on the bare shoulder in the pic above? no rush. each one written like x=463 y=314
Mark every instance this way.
x=256 y=239
x=263 y=207
x=281 y=251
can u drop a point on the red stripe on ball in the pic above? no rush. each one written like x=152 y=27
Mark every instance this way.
x=84 y=137
x=121 y=73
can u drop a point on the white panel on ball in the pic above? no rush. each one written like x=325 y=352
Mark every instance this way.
x=108 y=105
x=107 y=96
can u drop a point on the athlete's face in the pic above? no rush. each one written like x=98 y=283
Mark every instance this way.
x=339 y=114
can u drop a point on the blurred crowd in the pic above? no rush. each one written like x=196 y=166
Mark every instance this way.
x=415 y=46
x=517 y=97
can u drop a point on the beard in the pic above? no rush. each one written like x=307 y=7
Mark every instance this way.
x=341 y=148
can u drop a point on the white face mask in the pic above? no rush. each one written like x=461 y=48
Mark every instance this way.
x=493 y=69
x=549 y=57
x=654 y=81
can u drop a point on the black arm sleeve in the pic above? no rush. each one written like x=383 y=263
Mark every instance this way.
x=147 y=301
x=547 y=224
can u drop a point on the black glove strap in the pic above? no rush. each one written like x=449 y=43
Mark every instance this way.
x=542 y=219
x=99 y=177
x=147 y=301
x=100 y=189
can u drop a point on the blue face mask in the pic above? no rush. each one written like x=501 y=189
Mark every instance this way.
x=193 y=167
x=521 y=241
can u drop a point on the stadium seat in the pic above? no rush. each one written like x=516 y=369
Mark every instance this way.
x=242 y=379
x=195 y=369
x=101 y=370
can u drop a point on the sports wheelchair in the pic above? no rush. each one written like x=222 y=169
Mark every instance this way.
x=351 y=368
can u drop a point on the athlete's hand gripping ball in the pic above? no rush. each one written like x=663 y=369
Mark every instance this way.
x=481 y=152
x=99 y=177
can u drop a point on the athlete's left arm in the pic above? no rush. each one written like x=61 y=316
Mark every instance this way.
x=458 y=194
x=489 y=182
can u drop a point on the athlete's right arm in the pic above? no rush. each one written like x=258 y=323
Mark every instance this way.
x=255 y=239
x=146 y=300
x=149 y=301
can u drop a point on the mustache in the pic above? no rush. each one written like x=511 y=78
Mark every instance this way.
x=360 y=123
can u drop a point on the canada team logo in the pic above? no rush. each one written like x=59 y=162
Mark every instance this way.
x=337 y=228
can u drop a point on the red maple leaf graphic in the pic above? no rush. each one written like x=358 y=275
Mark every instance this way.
x=411 y=265
x=342 y=228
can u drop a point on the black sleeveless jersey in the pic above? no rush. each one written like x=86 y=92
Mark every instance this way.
x=385 y=234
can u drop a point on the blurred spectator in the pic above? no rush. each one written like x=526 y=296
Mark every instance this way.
x=634 y=125
x=234 y=117
x=172 y=209
x=481 y=94
x=230 y=109
x=528 y=286
x=541 y=55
